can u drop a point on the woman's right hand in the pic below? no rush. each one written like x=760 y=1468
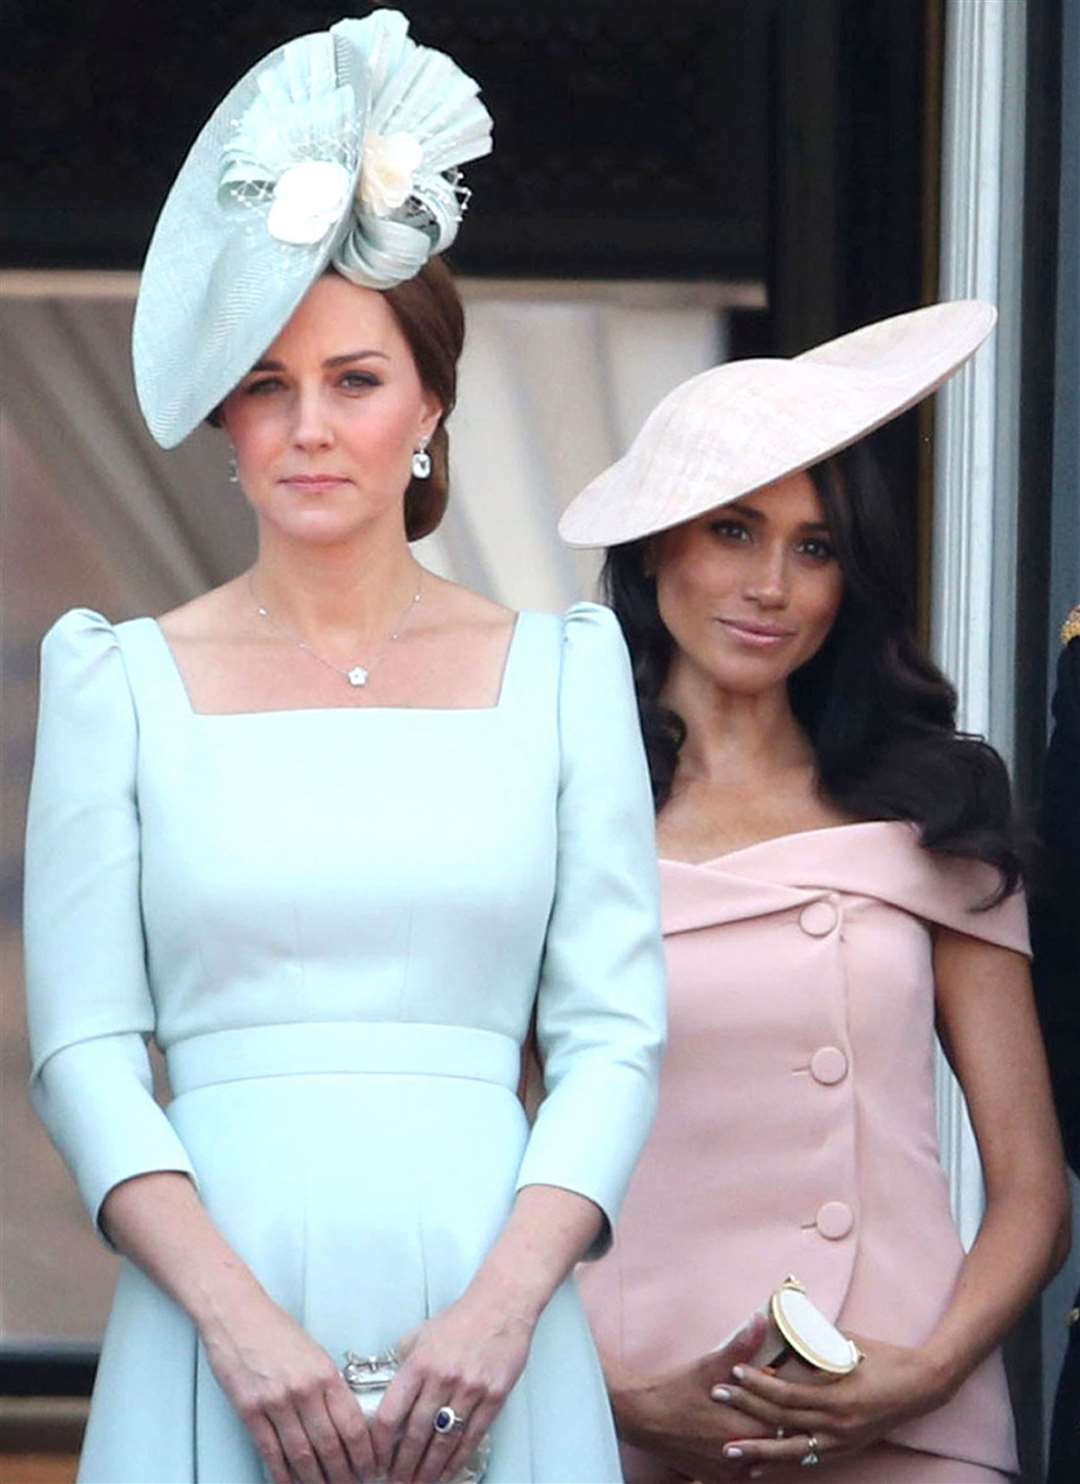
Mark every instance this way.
x=302 y=1417
x=673 y=1418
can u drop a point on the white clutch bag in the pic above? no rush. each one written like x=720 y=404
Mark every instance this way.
x=368 y=1377
x=798 y=1331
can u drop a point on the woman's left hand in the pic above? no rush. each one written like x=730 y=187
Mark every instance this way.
x=889 y=1386
x=467 y=1358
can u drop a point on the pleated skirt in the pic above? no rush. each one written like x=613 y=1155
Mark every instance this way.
x=363 y=1173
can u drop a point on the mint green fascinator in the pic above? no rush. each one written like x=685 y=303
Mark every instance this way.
x=340 y=148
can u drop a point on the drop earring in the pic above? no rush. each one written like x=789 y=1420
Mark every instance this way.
x=232 y=469
x=421 y=461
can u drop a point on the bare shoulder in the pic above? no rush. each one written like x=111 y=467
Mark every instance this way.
x=460 y=608
x=476 y=632
x=207 y=616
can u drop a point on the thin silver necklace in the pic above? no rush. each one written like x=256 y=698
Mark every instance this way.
x=359 y=674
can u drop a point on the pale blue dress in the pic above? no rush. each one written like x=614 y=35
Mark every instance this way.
x=337 y=924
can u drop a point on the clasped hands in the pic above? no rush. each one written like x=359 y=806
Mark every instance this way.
x=306 y=1423
x=844 y=1415
x=718 y=1418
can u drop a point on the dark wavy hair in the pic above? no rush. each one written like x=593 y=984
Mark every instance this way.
x=880 y=716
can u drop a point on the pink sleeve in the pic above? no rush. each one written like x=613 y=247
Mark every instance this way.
x=956 y=890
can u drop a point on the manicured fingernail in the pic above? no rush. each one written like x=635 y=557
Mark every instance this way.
x=738 y=1373
x=732 y=1452
x=721 y=1394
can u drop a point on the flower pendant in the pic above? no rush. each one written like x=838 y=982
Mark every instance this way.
x=357 y=675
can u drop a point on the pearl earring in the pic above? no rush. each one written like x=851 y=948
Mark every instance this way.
x=421 y=461
x=232 y=469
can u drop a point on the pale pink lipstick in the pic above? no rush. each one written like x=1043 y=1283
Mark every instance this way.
x=757 y=635
x=314 y=484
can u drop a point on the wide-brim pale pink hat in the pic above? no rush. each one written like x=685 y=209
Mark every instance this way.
x=746 y=424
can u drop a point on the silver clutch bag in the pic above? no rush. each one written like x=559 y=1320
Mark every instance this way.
x=367 y=1377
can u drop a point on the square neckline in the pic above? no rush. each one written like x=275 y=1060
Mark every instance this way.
x=177 y=675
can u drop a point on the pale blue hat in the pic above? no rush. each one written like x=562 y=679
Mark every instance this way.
x=338 y=149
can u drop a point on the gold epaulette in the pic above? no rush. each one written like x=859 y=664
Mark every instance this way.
x=1070 y=629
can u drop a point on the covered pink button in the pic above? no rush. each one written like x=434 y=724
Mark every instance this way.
x=828 y=1064
x=818 y=919
x=835 y=1219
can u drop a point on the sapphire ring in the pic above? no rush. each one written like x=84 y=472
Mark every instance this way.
x=448 y=1421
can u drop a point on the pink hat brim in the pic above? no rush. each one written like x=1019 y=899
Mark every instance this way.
x=746 y=424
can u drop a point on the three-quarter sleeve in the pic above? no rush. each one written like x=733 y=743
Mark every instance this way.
x=90 y=1007
x=600 y=1008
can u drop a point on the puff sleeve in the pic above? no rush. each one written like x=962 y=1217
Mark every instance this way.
x=600 y=1008
x=90 y=1007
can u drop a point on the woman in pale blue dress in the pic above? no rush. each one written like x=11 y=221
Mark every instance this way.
x=335 y=834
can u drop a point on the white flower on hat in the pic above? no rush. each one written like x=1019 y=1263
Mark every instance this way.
x=281 y=157
x=308 y=202
x=389 y=168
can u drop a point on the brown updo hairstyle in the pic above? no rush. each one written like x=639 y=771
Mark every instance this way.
x=430 y=315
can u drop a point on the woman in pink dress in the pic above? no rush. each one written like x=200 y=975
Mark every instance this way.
x=839 y=879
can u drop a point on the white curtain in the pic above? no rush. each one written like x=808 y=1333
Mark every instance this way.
x=550 y=393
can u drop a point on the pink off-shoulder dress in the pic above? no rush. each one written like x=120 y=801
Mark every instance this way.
x=797 y=1130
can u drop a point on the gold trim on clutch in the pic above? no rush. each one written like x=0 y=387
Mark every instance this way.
x=797 y=1343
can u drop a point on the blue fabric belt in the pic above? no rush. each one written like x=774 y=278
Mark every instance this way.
x=343 y=1046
